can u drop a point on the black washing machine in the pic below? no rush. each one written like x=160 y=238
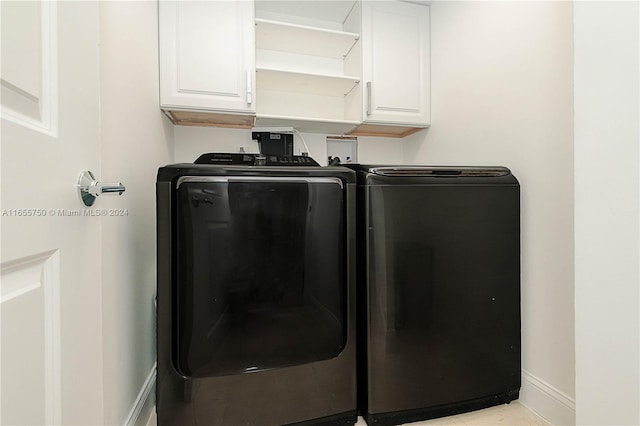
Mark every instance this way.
x=256 y=292
x=438 y=291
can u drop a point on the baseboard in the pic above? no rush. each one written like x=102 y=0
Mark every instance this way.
x=144 y=403
x=546 y=401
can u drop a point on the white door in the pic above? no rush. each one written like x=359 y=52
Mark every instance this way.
x=50 y=307
x=395 y=62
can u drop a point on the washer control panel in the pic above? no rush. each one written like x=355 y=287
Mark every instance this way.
x=242 y=159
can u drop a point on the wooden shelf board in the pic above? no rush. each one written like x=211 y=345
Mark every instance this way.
x=210 y=119
x=307 y=124
x=320 y=11
x=384 y=130
x=274 y=35
x=291 y=81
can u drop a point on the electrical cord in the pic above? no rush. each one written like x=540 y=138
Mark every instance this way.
x=303 y=141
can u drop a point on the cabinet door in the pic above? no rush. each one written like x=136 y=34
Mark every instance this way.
x=395 y=58
x=207 y=55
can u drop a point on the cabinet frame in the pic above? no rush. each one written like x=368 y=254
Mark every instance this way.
x=308 y=69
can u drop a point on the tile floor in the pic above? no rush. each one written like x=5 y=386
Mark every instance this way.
x=514 y=414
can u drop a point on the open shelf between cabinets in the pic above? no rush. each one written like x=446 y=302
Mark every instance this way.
x=302 y=82
x=294 y=38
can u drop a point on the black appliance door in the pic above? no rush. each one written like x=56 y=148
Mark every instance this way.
x=443 y=290
x=261 y=276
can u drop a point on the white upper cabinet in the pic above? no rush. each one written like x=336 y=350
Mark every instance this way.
x=207 y=61
x=395 y=63
x=342 y=66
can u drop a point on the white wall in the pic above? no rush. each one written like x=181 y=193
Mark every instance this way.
x=502 y=94
x=136 y=140
x=190 y=142
x=607 y=113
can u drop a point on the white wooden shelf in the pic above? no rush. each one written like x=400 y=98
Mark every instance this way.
x=307 y=124
x=318 y=13
x=302 y=39
x=316 y=84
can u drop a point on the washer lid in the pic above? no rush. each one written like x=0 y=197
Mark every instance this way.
x=435 y=171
